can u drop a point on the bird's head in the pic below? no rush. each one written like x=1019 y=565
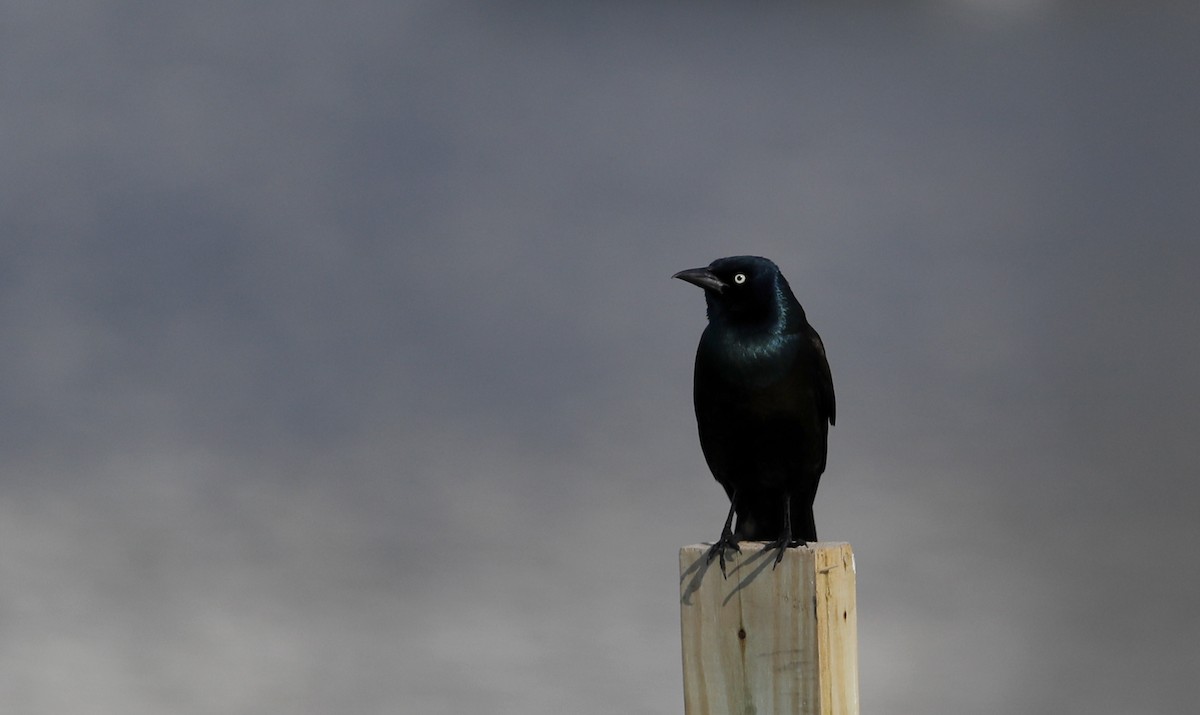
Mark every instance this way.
x=746 y=291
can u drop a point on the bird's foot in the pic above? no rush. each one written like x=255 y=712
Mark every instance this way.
x=781 y=545
x=717 y=550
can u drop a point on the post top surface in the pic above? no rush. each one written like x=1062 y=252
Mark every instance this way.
x=760 y=545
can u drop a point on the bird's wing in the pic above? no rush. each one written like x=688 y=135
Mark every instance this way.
x=826 y=402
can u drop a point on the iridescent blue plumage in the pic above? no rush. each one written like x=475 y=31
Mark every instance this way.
x=764 y=401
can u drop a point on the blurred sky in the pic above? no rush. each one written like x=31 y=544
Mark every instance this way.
x=343 y=370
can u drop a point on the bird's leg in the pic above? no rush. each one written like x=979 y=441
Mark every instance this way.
x=785 y=539
x=726 y=541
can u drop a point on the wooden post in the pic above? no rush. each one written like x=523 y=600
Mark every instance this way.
x=769 y=642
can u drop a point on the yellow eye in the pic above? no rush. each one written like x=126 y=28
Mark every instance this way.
x=739 y=278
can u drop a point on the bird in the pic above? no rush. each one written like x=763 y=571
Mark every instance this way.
x=764 y=402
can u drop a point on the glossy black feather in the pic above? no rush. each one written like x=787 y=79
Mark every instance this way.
x=764 y=399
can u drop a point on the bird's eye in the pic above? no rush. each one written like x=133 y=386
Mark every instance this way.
x=739 y=278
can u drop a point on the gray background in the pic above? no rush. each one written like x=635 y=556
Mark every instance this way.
x=342 y=369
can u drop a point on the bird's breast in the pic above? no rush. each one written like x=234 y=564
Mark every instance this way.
x=748 y=362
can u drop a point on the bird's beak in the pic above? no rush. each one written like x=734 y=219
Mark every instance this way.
x=701 y=277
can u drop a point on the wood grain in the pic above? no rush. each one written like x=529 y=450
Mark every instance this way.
x=766 y=641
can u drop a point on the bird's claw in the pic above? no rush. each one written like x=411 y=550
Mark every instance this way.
x=782 y=545
x=717 y=551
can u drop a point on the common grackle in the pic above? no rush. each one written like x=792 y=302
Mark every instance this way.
x=764 y=402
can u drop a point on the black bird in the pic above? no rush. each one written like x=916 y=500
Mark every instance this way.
x=764 y=402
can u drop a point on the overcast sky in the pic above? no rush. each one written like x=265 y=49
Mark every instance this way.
x=344 y=373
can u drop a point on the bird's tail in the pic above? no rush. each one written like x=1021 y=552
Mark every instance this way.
x=761 y=517
x=804 y=527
